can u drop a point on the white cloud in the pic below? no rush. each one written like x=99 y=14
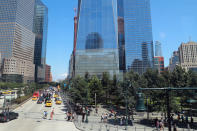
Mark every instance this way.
x=162 y=35
x=60 y=77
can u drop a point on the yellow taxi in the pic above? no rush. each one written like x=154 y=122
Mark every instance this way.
x=58 y=101
x=56 y=95
x=34 y=98
x=48 y=103
x=5 y=92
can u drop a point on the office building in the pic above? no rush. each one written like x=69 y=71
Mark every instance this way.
x=158 y=58
x=158 y=51
x=97 y=43
x=159 y=63
x=112 y=36
x=174 y=61
x=188 y=55
x=136 y=41
x=17 y=40
x=48 y=74
x=40 y=29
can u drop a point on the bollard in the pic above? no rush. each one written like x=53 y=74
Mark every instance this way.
x=144 y=128
x=117 y=128
x=135 y=128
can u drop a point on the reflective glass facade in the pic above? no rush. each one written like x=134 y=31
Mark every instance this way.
x=16 y=37
x=113 y=36
x=158 y=51
x=138 y=35
x=40 y=29
x=97 y=37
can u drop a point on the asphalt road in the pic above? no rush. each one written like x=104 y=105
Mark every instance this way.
x=30 y=119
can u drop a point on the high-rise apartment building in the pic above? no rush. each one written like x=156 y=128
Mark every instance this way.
x=188 y=55
x=113 y=36
x=40 y=29
x=17 y=40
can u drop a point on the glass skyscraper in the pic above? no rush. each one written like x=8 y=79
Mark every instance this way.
x=158 y=51
x=17 y=39
x=40 y=29
x=113 y=36
x=97 y=38
x=138 y=46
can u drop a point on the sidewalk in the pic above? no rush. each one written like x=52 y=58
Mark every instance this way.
x=95 y=124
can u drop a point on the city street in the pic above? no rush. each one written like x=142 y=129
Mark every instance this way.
x=30 y=119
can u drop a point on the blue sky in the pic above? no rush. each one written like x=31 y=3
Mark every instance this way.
x=174 y=21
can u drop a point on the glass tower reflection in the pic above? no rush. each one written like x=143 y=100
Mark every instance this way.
x=138 y=35
x=40 y=29
x=138 y=41
x=97 y=38
x=113 y=36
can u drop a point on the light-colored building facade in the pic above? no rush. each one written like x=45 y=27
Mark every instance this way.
x=188 y=55
x=17 y=39
x=14 y=67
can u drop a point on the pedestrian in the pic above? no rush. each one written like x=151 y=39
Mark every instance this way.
x=52 y=113
x=186 y=120
x=157 y=124
x=178 y=117
x=161 y=124
x=175 y=128
x=45 y=115
x=101 y=118
x=96 y=110
x=171 y=119
x=182 y=118
x=121 y=121
x=156 y=120
x=192 y=120
x=83 y=114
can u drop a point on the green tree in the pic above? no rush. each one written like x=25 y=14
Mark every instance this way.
x=95 y=86
x=179 y=77
x=79 y=91
x=105 y=84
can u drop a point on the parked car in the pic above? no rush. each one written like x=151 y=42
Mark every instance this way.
x=7 y=116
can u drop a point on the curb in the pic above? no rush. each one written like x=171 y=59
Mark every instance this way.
x=18 y=105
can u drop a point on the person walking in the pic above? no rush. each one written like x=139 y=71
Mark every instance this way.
x=182 y=119
x=45 y=115
x=161 y=124
x=121 y=121
x=157 y=124
x=175 y=128
x=52 y=113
